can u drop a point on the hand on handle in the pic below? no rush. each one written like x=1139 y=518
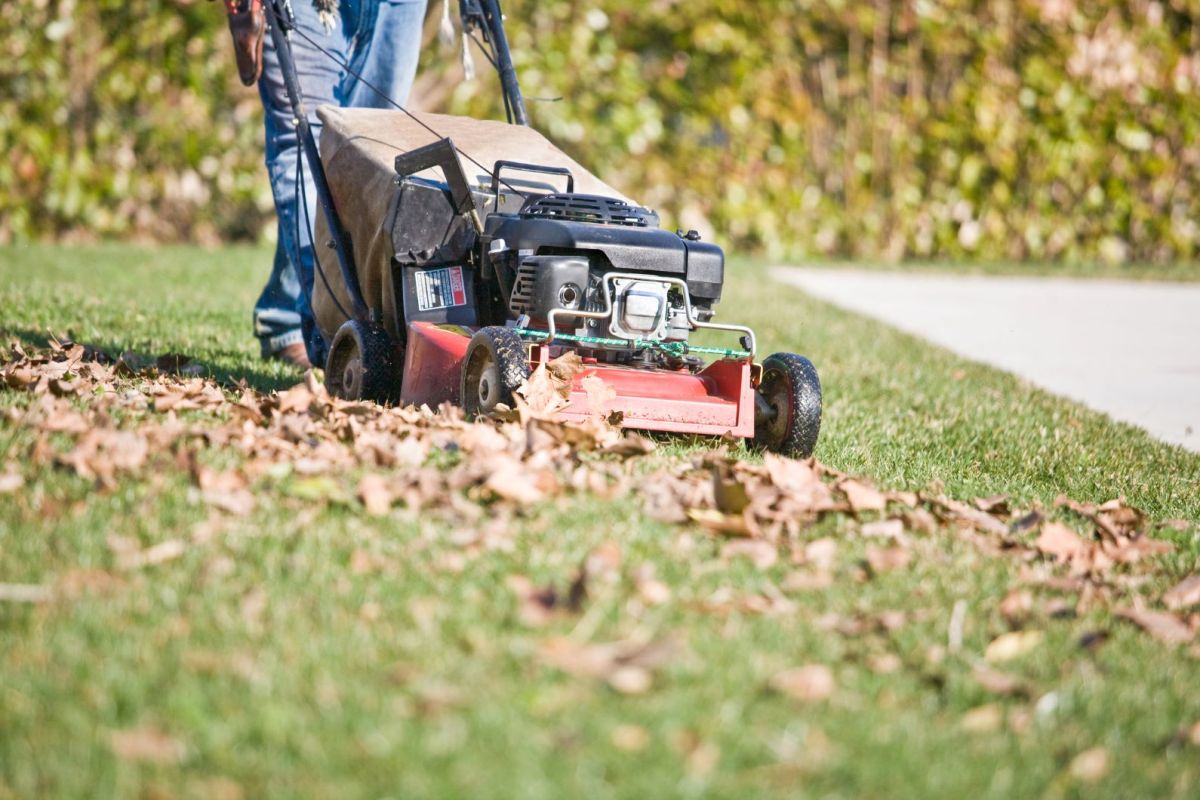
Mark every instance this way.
x=248 y=25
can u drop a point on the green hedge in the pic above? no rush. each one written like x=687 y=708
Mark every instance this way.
x=1046 y=129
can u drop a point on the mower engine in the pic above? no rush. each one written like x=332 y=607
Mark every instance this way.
x=602 y=272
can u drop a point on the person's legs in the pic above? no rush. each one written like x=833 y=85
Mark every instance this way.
x=385 y=52
x=283 y=313
x=276 y=320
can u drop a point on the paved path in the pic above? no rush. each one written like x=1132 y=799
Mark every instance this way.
x=1130 y=349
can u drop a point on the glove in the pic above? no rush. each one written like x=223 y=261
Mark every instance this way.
x=248 y=25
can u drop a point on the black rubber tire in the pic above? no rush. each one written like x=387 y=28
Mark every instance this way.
x=496 y=365
x=790 y=386
x=364 y=364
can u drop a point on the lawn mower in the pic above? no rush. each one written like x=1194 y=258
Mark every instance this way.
x=472 y=251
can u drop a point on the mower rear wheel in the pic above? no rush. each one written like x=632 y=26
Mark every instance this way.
x=363 y=364
x=788 y=418
x=495 y=367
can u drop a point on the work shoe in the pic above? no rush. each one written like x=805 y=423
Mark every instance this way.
x=248 y=25
x=293 y=354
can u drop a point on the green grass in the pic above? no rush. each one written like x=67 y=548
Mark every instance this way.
x=438 y=693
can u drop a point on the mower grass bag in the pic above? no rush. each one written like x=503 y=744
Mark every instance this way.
x=482 y=251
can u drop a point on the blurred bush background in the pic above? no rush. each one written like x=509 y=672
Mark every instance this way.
x=881 y=129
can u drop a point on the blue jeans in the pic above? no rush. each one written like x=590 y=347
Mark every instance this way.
x=381 y=41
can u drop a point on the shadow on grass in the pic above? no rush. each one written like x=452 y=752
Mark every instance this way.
x=227 y=367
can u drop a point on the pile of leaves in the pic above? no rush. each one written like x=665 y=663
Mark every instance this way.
x=108 y=420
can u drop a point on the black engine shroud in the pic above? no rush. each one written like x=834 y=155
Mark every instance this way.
x=493 y=240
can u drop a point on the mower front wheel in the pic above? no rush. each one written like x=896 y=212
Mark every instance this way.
x=495 y=367
x=363 y=364
x=788 y=406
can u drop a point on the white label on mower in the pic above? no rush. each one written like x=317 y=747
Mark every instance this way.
x=440 y=288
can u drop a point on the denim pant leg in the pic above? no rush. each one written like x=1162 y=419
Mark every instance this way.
x=276 y=320
x=385 y=53
x=291 y=280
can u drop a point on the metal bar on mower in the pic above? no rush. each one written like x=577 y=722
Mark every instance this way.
x=279 y=20
x=523 y=167
x=607 y=311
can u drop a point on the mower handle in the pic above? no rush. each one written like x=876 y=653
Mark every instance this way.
x=522 y=167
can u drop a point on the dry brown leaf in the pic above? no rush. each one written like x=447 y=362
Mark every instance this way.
x=1159 y=624
x=1013 y=645
x=537 y=605
x=541 y=395
x=11 y=481
x=147 y=743
x=626 y=666
x=375 y=495
x=885 y=559
x=157 y=554
x=762 y=554
x=25 y=593
x=1090 y=766
x=1060 y=542
x=600 y=396
x=862 y=496
x=729 y=524
x=884 y=529
x=999 y=683
x=885 y=663
x=1184 y=594
x=821 y=553
x=630 y=738
x=809 y=683
x=509 y=480
x=807 y=581
x=631 y=680
x=983 y=719
x=1017 y=606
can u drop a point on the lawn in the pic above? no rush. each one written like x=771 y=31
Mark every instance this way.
x=307 y=649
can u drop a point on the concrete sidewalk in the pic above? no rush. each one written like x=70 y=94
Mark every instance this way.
x=1129 y=349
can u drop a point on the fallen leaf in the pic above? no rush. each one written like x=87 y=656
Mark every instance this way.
x=996 y=505
x=983 y=719
x=374 y=493
x=809 y=683
x=999 y=683
x=884 y=529
x=1159 y=624
x=1017 y=606
x=10 y=482
x=1184 y=594
x=157 y=554
x=1012 y=645
x=821 y=553
x=761 y=553
x=1090 y=766
x=1060 y=542
x=713 y=520
x=25 y=593
x=600 y=395
x=630 y=679
x=885 y=663
x=885 y=559
x=148 y=743
x=630 y=738
x=862 y=496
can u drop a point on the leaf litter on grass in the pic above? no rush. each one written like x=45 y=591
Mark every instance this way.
x=239 y=449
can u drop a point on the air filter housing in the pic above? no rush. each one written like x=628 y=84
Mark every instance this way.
x=592 y=208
